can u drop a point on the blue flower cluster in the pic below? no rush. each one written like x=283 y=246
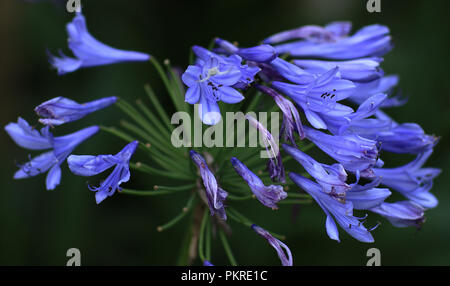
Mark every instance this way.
x=331 y=72
x=60 y=110
x=334 y=80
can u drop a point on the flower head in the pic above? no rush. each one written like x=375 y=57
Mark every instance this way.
x=359 y=70
x=267 y=195
x=355 y=153
x=86 y=165
x=209 y=82
x=286 y=260
x=332 y=178
x=405 y=138
x=214 y=194
x=60 y=110
x=365 y=197
x=88 y=51
x=337 y=207
x=261 y=54
x=330 y=33
x=248 y=71
x=334 y=43
x=61 y=147
x=320 y=97
x=401 y=214
x=411 y=180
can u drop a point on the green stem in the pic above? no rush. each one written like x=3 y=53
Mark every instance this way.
x=227 y=248
x=208 y=242
x=153 y=171
x=234 y=214
x=176 y=219
x=180 y=106
x=162 y=113
x=202 y=235
x=238 y=198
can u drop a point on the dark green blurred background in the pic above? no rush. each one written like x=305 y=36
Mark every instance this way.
x=38 y=226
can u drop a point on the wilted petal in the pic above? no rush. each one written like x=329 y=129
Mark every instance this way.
x=286 y=260
x=267 y=195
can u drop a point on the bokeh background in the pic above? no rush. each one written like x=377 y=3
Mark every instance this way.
x=38 y=226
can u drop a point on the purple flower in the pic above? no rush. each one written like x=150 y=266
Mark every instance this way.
x=214 y=194
x=332 y=178
x=86 y=165
x=329 y=33
x=267 y=195
x=373 y=40
x=358 y=122
x=286 y=260
x=385 y=84
x=291 y=117
x=359 y=70
x=355 y=153
x=248 y=71
x=320 y=96
x=275 y=164
x=403 y=138
x=27 y=137
x=411 y=180
x=401 y=214
x=88 y=51
x=367 y=196
x=337 y=207
x=291 y=72
x=209 y=82
x=260 y=54
x=207 y=263
x=61 y=110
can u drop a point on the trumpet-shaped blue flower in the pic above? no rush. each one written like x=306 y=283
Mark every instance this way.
x=332 y=178
x=403 y=138
x=27 y=137
x=87 y=165
x=267 y=195
x=275 y=163
x=291 y=117
x=286 y=260
x=411 y=180
x=260 y=54
x=358 y=122
x=248 y=71
x=385 y=85
x=360 y=70
x=401 y=214
x=355 y=153
x=88 y=51
x=215 y=195
x=365 y=197
x=320 y=96
x=209 y=82
x=291 y=72
x=373 y=40
x=61 y=110
x=330 y=33
x=337 y=207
